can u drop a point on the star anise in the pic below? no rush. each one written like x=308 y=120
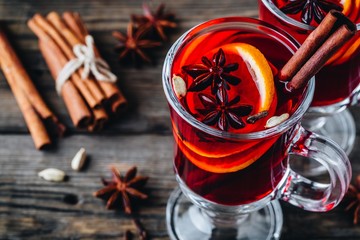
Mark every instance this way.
x=159 y=20
x=353 y=195
x=123 y=187
x=133 y=43
x=311 y=9
x=212 y=73
x=221 y=112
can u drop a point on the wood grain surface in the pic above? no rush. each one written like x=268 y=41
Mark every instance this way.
x=31 y=208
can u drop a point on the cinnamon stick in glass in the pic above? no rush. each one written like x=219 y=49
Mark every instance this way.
x=332 y=33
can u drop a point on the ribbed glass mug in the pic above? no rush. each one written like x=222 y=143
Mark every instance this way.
x=241 y=204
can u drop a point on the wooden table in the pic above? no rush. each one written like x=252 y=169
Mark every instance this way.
x=31 y=208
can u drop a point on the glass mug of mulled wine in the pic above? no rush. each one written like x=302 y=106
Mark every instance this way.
x=234 y=128
x=338 y=82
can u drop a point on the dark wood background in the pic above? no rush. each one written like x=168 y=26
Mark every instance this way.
x=31 y=208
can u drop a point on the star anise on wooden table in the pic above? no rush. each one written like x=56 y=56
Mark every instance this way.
x=353 y=196
x=221 y=112
x=123 y=188
x=159 y=21
x=134 y=43
x=212 y=73
x=311 y=9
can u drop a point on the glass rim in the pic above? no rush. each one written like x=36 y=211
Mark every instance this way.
x=279 y=14
x=185 y=115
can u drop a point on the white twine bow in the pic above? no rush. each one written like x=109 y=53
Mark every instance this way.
x=85 y=56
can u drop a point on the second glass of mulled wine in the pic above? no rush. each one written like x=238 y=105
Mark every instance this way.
x=338 y=82
x=234 y=128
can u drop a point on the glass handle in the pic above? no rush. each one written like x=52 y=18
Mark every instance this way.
x=311 y=195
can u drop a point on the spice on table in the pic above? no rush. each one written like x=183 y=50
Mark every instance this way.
x=134 y=43
x=353 y=196
x=141 y=230
x=83 y=78
x=79 y=160
x=128 y=235
x=118 y=102
x=32 y=106
x=158 y=21
x=52 y=174
x=124 y=188
x=77 y=107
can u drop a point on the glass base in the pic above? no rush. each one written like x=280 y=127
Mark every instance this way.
x=339 y=127
x=186 y=221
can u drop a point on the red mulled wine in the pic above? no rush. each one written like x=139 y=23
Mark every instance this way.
x=221 y=69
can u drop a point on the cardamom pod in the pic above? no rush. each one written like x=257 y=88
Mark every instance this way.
x=179 y=86
x=276 y=120
x=52 y=174
x=79 y=160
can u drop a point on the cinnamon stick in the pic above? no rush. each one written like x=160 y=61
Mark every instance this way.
x=71 y=39
x=73 y=21
x=88 y=88
x=100 y=118
x=55 y=59
x=33 y=121
x=76 y=25
x=11 y=64
x=333 y=32
x=320 y=57
x=77 y=108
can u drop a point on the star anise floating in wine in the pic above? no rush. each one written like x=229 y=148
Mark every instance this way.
x=221 y=112
x=133 y=43
x=125 y=188
x=212 y=73
x=158 y=21
x=311 y=9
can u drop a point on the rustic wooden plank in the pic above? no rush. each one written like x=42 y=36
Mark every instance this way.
x=29 y=204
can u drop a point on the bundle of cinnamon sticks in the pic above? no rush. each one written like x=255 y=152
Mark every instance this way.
x=90 y=102
x=35 y=111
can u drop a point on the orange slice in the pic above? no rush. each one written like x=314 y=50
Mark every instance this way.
x=230 y=163
x=350 y=51
x=351 y=9
x=259 y=69
x=347 y=7
x=218 y=150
